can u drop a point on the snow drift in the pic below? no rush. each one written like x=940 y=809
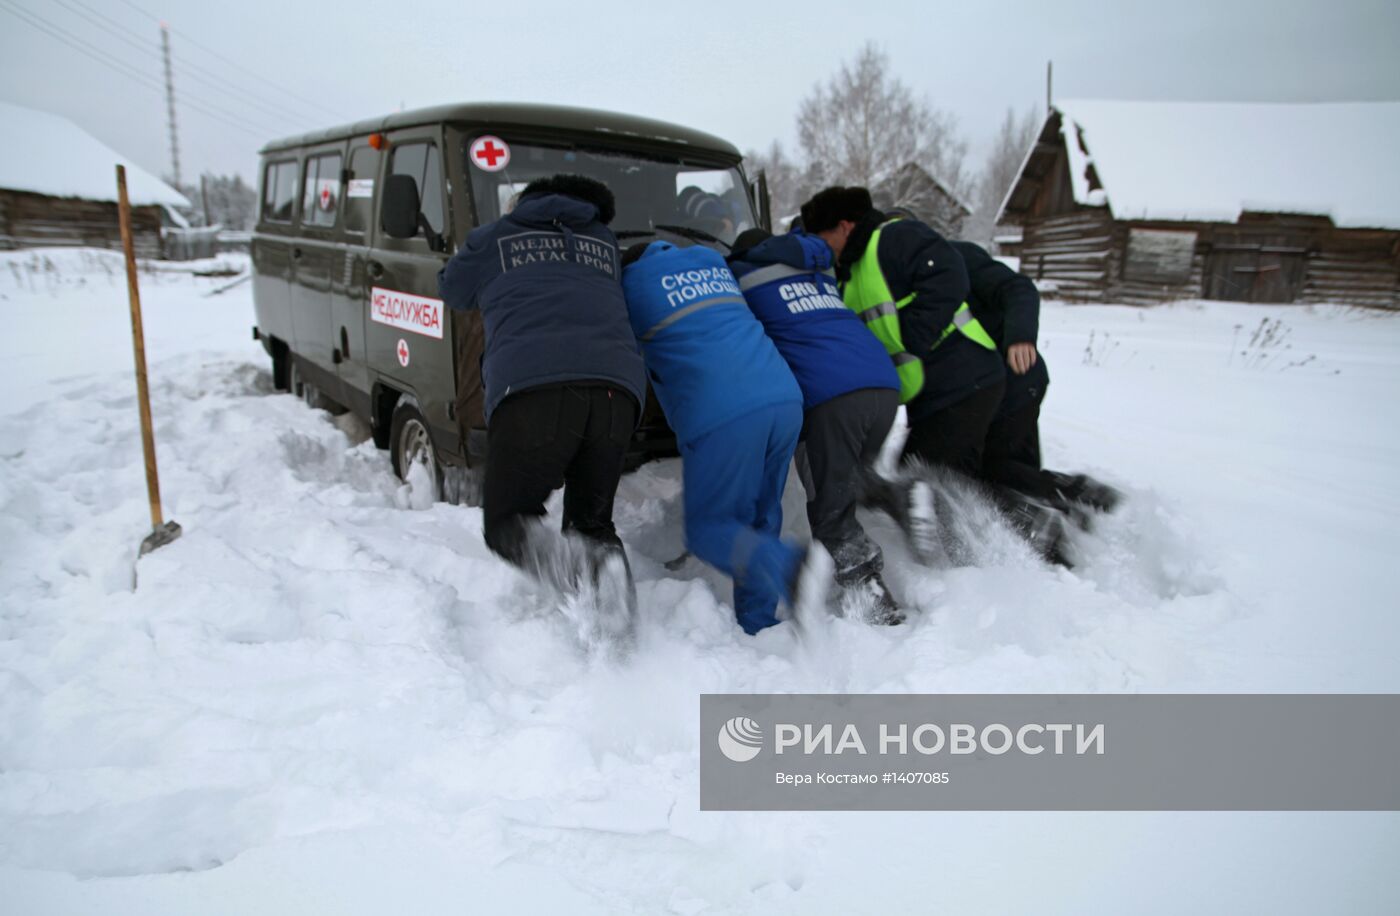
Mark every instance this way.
x=322 y=698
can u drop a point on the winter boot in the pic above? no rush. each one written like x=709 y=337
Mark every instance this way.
x=871 y=600
x=855 y=559
x=911 y=504
x=952 y=533
x=812 y=583
x=1079 y=514
x=1041 y=525
x=1085 y=490
x=614 y=595
x=920 y=522
x=561 y=561
x=1099 y=495
x=1056 y=545
x=1049 y=536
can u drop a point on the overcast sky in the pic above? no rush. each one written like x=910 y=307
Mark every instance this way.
x=737 y=70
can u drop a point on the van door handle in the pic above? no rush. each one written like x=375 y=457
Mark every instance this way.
x=375 y=270
x=296 y=254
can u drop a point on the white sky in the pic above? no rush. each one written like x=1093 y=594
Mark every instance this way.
x=737 y=70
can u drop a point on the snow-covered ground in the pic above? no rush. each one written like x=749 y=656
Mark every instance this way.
x=320 y=700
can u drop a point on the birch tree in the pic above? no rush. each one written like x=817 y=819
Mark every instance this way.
x=864 y=123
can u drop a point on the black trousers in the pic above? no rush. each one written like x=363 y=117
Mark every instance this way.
x=841 y=442
x=956 y=436
x=1011 y=457
x=573 y=435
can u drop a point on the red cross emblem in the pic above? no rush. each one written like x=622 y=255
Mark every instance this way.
x=490 y=154
x=326 y=197
x=403 y=352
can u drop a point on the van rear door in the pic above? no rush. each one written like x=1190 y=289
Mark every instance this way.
x=408 y=338
x=272 y=247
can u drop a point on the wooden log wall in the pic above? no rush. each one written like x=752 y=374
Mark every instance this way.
x=1354 y=267
x=35 y=220
x=1143 y=292
x=1079 y=257
x=1073 y=252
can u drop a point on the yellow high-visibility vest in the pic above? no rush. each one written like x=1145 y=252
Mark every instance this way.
x=868 y=295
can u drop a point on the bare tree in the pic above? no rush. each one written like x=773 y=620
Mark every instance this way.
x=783 y=177
x=1013 y=140
x=232 y=204
x=864 y=124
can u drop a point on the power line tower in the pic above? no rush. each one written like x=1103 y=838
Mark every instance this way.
x=170 y=102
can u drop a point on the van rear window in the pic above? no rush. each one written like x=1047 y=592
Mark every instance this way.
x=279 y=191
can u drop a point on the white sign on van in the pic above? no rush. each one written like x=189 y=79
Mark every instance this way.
x=327 y=190
x=406 y=311
x=360 y=187
x=490 y=154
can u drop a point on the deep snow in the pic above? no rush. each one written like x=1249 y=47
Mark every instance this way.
x=321 y=699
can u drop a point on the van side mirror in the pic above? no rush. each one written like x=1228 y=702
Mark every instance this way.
x=398 y=207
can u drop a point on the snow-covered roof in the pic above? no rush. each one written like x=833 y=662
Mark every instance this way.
x=1212 y=160
x=889 y=176
x=47 y=154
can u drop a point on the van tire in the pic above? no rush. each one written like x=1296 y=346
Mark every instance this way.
x=308 y=392
x=463 y=486
x=410 y=441
x=281 y=364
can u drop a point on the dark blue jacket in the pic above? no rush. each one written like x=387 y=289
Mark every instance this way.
x=1008 y=305
x=790 y=285
x=918 y=262
x=707 y=355
x=545 y=277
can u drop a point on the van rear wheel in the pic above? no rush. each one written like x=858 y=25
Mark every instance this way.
x=314 y=398
x=463 y=486
x=410 y=445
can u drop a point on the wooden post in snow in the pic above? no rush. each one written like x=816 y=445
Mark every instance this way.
x=162 y=532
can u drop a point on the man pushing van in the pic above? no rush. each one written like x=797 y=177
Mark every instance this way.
x=737 y=413
x=564 y=381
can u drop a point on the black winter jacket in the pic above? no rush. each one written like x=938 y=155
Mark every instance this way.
x=547 y=282
x=1008 y=305
x=917 y=260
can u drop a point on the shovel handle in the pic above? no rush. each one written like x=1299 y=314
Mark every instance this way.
x=138 y=341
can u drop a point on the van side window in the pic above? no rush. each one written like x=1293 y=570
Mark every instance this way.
x=359 y=191
x=422 y=163
x=279 y=191
x=321 y=195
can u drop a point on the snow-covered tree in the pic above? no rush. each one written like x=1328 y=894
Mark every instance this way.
x=783 y=178
x=232 y=203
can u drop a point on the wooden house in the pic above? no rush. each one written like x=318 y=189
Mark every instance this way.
x=1144 y=202
x=910 y=187
x=58 y=186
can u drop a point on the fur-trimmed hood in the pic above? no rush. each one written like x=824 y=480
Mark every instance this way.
x=579 y=187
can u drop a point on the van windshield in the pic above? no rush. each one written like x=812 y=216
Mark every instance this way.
x=651 y=192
